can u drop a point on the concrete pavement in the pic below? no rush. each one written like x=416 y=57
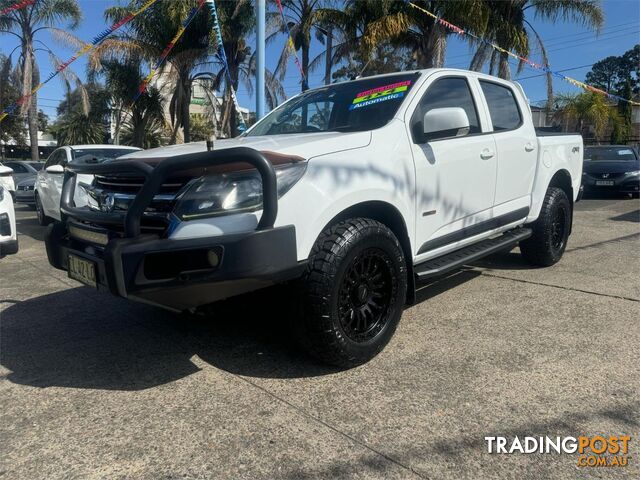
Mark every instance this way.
x=92 y=386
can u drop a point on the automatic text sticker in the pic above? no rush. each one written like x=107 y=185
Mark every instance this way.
x=380 y=94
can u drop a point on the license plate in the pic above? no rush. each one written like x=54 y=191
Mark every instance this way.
x=604 y=183
x=82 y=270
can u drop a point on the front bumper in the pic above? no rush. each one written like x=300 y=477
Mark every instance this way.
x=8 y=247
x=625 y=184
x=25 y=196
x=176 y=274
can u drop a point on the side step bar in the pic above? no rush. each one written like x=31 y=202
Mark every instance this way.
x=451 y=261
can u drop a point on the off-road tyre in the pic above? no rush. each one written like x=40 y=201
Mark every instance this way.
x=550 y=231
x=352 y=293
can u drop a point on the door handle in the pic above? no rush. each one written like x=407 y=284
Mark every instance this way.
x=529 y=147
x=486 y=154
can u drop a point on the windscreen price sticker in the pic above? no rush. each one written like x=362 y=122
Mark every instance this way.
x=380 y=94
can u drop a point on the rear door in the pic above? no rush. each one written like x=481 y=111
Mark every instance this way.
x=455 y=176
x=516 y=146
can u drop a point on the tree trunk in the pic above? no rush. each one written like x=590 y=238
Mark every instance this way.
x=138 y=130
x=504 y=71
x=30 y=107
x=305 y=67
x=435 y=48
x=549 y=112
x=186 y=117
x=226 y=120
x=328 y=55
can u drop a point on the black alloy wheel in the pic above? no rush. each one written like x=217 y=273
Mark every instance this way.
x=558 y=228
x=365 y=294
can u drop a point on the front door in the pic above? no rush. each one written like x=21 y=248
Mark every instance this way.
x=455 y=176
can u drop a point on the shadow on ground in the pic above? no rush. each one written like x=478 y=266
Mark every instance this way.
x=27 y=223
x=628 y=217
x=82 y=339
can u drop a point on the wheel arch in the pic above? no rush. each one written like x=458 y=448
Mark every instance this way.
x=562 y=180
x=391 y=217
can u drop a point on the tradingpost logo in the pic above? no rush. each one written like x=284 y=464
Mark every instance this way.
x=592 y=451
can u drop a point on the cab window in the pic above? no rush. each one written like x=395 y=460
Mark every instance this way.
x=503 y=108
x=448 y=92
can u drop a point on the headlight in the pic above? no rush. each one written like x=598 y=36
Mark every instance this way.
x=633 y=172
x=228 y=193
x=1 y=193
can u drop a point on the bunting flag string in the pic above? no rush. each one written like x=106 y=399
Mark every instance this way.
x=88 y=46
x=528 y=62
x=291 y=46
x=167 y=50
x=17 y=6
x=223 y=58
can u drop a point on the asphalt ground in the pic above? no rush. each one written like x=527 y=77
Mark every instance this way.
x=92 y=386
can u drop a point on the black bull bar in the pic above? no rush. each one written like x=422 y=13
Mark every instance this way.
x=156 y=176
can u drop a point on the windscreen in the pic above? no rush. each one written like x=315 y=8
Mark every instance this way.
x=36 y=165
x=98 y=155
x=609 y=154
x=347 y=107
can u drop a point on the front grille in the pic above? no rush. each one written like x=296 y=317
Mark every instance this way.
x=131 y=184
x=116 y=192
x=606 y=176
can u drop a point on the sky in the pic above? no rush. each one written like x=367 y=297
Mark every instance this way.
x=572 y=50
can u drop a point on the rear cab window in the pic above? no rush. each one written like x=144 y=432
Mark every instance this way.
x=503 y=106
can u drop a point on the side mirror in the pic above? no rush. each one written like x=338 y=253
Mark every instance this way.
x=5 y=171
x=444 y=123
x=55 y=169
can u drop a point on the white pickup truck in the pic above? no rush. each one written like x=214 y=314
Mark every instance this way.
x=355 y=192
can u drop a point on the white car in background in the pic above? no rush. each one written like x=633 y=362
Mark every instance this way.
x=6 y=179
x=8 y=234
x=49 y=181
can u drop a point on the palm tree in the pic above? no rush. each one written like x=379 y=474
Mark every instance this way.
x=370 y=24
x=508 y=27
x=237 y=22
x=149 y=35
x=143 y=119
x=25 y=24
x=303 y=19
x=77 y=128
x=12 y=128
x=586 y=109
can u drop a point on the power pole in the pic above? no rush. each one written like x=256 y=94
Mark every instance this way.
x=260 y=41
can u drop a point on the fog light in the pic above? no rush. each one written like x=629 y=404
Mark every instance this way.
x=213 y=258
